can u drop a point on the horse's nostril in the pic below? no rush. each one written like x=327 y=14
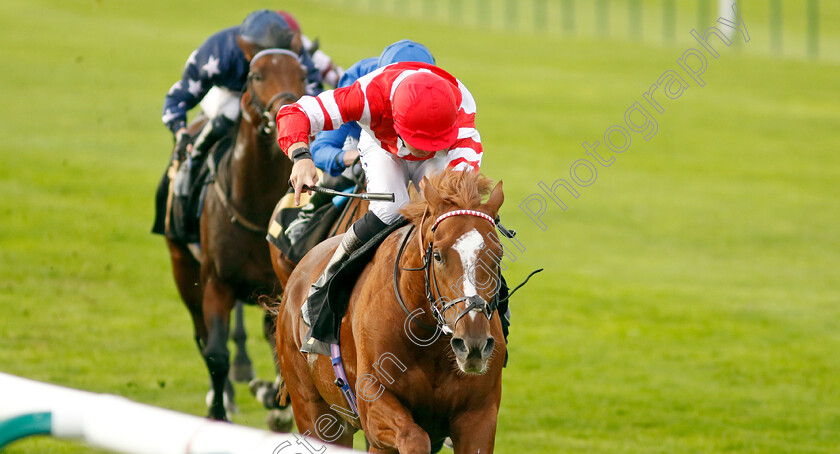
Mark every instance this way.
x=488 y=346
x=458 y=345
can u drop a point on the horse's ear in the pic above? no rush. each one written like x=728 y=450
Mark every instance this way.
x=496 y=199
x=431 y=194
x=249 y=49
x=297 y=44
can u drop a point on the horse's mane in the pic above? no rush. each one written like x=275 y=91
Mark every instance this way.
x=463 y=190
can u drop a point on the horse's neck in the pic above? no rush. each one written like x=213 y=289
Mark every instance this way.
x=259 y=170
x=427 y=348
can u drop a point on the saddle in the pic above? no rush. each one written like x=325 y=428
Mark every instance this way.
x=315 y=231
x=326 y=323
x=294 y=245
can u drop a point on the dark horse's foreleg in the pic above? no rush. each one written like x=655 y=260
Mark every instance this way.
x=243 y=370
x=280 y=418
x=187 y=273
x=266 y=391
x=218 y=302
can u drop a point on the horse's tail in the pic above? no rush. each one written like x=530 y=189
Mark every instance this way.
x=283 y=395
x=270 y=304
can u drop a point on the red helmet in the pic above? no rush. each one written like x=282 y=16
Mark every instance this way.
x=425 y=112
x=293 y=23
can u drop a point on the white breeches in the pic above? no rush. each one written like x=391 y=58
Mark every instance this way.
x=385 y=172
x=221 y=101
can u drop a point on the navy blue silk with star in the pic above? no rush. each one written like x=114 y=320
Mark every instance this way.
x=218 y=62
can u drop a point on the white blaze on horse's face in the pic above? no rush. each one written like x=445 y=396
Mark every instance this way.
x=472 y=342
x=468 y=247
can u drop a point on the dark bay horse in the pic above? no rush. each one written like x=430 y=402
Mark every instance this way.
x=234 y=263
x=421 y=343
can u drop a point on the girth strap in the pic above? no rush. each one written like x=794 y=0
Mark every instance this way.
x=397 y=285
x=341 y=377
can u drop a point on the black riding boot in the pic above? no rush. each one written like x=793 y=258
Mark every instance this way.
x=349 y=243
x=317 y=313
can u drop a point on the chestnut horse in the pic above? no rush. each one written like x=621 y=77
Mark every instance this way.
x=234 y=263
x=420 y=343
x=267 y=391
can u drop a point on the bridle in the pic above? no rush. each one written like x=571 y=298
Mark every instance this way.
x=267 y=124
x=265 y=127
x=440 y=305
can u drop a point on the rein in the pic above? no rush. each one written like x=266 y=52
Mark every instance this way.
x=475 y=302
x=423 y=324
x=235 y=216
x=267 y=124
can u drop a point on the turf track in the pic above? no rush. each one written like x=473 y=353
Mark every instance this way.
x=690 y=299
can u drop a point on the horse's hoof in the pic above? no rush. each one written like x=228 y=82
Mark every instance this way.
x=228 y=403
x=256 y=385
x=217 y=415
x=242 y=373
x=265 y=392
x=281 y=420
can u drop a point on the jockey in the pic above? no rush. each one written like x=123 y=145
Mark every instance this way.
x=417 y=120
x=333 y=151
x=216 y=74
x=330 y=73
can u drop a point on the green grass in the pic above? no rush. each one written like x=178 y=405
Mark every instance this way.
x=551 y=18
x=690 y=302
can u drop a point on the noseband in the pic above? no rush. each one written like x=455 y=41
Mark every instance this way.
x=267 y=124
x=441 y=305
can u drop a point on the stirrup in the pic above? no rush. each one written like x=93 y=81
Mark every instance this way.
x=349 y=243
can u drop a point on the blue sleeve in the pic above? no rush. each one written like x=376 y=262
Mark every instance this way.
x=327 y=152
x=357 y=70
x=184 y=95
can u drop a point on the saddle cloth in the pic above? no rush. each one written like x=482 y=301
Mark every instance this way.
x=315 y=231
x=178 y=216
x=327 y=320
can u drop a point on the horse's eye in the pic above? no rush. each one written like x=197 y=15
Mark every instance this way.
x=256 y=77
x=437 y=256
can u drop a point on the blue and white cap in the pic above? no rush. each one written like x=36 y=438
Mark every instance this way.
x=266 y=29
x=405 y=50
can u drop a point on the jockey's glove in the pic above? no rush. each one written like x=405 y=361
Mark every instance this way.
x=182 y=140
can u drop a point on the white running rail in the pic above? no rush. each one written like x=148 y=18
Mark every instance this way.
x=115 y=423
